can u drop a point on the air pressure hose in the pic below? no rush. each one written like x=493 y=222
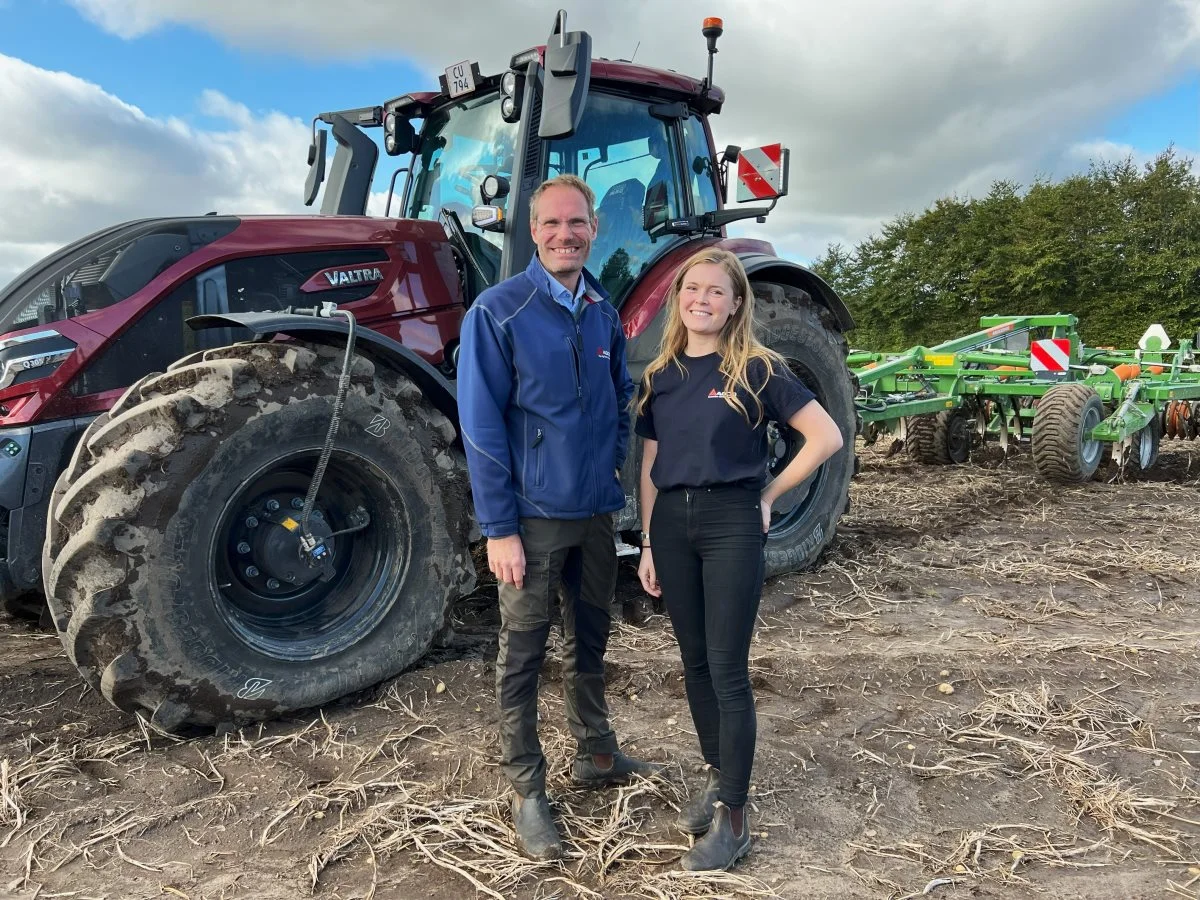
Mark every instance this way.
x=311 y=545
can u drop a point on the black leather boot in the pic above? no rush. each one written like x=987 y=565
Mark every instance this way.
x=536 y=834
x=586 y=773
x=720 y=848
x=697 y=813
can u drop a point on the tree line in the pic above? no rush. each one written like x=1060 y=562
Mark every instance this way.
x=1117 y=246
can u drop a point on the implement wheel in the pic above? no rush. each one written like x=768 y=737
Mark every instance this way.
x=939 y=439
x=1143 y=449
x=1063 y=450
x=174 y=572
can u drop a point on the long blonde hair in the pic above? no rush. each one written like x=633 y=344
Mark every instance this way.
x=736 y=343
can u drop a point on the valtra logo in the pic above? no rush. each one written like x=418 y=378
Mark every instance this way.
x=331 y=279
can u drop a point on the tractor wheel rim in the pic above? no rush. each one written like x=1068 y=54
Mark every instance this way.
x=308 y=618
x=1089 y=447
x=1146 y=449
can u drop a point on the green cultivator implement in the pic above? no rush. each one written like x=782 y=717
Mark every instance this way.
x=1031 y=379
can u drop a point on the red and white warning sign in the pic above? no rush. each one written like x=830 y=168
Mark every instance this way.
x=1050 y=355
x=762 y=173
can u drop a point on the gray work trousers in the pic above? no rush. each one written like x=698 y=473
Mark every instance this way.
x=578 y=554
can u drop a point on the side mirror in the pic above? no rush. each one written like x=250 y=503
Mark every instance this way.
x=316 y=166
x=655 y=212
x=567 y=77
x=488 y=218
x=762 y=173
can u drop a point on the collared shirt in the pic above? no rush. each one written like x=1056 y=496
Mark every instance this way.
x=562 y=296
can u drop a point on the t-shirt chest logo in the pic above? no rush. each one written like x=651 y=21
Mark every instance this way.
x=714 y=394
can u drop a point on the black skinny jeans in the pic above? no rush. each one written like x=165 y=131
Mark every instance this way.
x=708 y=555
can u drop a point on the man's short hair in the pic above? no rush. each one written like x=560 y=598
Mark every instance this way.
x=571 y=181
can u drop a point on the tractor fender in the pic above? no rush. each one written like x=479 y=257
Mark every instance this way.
x=433 y=384
x=764 y=267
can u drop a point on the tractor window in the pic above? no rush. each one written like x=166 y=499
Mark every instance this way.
x=461 y=145
x=700 y=173
x=625 y=155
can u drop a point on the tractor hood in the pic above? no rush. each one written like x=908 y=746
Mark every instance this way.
x=103 y=268
x=116 y=263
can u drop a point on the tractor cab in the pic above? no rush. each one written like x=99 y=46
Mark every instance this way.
x=638 y=136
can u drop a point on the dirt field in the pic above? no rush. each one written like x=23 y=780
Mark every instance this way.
x=989 y=689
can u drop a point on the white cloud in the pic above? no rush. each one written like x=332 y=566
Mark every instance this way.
x=1082 y=153
x=108 y=161
x=885 y=105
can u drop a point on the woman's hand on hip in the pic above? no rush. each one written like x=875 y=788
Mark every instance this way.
x=647 y=575
x=764 y=506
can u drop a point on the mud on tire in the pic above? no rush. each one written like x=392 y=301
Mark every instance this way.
x=806 y=517
x=147 y=579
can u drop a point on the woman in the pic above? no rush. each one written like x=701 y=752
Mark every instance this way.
x=702 y=412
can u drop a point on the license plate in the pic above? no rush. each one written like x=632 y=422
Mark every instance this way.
x=459 y=79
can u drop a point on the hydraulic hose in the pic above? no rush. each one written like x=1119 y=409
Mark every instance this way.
x=307 y=542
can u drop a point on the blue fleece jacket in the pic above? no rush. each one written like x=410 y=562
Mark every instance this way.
x=542 y=403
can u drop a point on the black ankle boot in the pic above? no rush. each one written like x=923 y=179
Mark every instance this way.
x=720 y=848
x=697 y=813
x=536 y=835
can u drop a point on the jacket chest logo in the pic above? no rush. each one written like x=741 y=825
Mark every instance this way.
x=714 y=394
x=602 y=353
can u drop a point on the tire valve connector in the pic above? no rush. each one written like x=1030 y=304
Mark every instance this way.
x=314 y=551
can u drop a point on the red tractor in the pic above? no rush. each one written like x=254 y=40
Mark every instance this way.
x=263 y=503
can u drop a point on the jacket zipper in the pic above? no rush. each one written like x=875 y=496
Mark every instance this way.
x=538 y=472
x=575 y=354
x=577 y=346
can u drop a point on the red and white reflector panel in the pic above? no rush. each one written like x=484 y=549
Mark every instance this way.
x=1050 y=355
x=762 y=173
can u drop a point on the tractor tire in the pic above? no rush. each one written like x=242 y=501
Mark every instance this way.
x=1062 y=451
x=806 y=517
x=29 y=606
x=173 y=571
x=939 y=439
x=1143 y=449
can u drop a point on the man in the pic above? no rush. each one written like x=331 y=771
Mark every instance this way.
x=543 y=395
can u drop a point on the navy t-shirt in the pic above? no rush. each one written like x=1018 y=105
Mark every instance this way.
x=702 y=440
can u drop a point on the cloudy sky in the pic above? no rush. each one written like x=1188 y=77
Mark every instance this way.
x=115 y=109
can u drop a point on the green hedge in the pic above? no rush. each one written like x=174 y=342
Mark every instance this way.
x=1119 y=247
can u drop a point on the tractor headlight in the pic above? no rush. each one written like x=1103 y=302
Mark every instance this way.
x=512 y=85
